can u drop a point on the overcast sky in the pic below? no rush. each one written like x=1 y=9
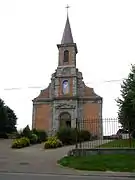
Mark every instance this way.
x=104 y=31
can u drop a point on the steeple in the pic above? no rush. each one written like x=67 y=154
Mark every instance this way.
x=67 y=34
x=67 y=46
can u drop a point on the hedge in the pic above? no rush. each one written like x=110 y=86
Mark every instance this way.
x=70 y=136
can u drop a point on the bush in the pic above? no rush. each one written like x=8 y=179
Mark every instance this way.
x=133 y=134
x=19 y=134
x=67 y=136
x=3 y=135
x=52 y=142
x=20 y=143
x=33 y=139
x=94 y=137
x=27 y=132
x=70 y=136
x=42 y=135
x=84 y=135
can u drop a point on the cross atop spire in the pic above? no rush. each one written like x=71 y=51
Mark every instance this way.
x=67 y=7
x=67 y=35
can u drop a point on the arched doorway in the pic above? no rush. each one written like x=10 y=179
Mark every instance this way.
x=65 y=119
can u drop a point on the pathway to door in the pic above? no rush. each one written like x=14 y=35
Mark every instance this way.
x=33 y=159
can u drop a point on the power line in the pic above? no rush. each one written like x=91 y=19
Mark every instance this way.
x=39 y=87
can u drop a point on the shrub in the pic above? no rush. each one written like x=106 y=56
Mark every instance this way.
x=70 y=136
x=94 y=137
x=12 y=135
x=42 y=135
x=20 y=143
x=3 y=135
x=133 y=134
x=33 y=139
x=67 y=136
x=84 y=135
x=52 y=142
x=27 y=132
x=19 y=134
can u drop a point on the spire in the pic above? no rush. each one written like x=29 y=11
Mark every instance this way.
x=67 y=35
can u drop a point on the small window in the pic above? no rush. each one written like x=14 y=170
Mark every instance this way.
x=66 y=56
x=65 y=87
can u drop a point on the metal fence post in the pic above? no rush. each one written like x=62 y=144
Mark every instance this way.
x=80 y=143
x=76 y=144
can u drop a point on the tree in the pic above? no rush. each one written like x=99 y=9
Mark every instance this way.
x=11 y=122
x=27 y=132
x=126 y=104
x=7 y=119
x=3 y=117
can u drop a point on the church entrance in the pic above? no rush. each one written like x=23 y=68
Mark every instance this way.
x=65 y=119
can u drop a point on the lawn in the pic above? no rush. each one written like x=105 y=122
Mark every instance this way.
x=119 y=143
x=104 y=162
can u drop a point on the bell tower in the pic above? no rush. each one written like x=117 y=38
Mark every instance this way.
x=67 y=48
x=64 y=81
x=65 y=77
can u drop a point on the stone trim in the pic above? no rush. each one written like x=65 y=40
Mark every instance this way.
x=66 y=66
x=33 y=117
x=65 y=106
x=68 y=45
x=84 y=99
x=43 y=102
x=65 y=76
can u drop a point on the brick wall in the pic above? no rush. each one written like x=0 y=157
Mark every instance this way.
x=43 y=116
x=91 y=120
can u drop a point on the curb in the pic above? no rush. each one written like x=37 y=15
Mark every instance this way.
x=82 y=174
x=100 y=173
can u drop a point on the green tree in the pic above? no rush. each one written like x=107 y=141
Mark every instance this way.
x=11 y=122
x=27 y=132
x=7 y=119
x=3 y=117
x=126 y=104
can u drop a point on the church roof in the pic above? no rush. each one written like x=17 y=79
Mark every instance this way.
x=67 y=34
x=43 y=94
x=89 y=92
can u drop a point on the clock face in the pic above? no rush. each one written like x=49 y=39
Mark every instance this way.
x=65 y=87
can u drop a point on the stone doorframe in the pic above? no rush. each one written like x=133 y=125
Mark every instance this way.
x=65 y=119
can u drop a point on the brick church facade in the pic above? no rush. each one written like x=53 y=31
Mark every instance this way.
x=67 y=98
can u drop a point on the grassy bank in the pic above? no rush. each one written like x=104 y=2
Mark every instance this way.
x=112 y=162
x=119 y=143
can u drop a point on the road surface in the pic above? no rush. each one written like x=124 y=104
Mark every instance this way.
x=26 y=176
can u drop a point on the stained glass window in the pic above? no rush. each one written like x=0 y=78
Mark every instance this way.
x=65 y=87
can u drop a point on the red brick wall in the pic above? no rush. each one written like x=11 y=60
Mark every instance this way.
x=42 y=116
x=91 y=117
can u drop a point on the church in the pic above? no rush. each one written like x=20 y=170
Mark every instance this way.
x=67 y=98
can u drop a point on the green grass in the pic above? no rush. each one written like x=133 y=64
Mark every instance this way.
x=110 y=162
x=119 y=143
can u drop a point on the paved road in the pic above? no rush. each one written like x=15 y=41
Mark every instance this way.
x=10 y=176
x=33 y=159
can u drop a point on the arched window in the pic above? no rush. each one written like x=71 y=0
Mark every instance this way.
x=66 y=56
x=65 y=87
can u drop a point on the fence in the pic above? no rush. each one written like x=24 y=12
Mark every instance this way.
x=104 y=133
